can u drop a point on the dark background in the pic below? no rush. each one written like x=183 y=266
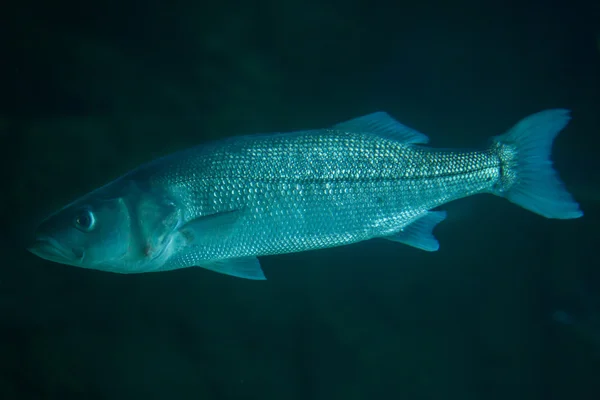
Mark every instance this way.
x=509 y=308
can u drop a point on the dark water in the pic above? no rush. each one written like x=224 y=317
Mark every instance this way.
x=509 y=308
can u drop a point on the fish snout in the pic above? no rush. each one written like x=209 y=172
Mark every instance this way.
x=50 y=249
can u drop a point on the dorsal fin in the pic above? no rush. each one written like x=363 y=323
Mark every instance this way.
x=382 y=124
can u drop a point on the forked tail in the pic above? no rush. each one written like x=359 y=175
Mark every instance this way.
x=526 y=174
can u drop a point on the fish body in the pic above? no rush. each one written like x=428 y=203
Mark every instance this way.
x=223 y=204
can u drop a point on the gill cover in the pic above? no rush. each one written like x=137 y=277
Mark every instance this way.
x=120 y=227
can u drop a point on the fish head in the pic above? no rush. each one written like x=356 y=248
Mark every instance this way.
x=122 y=231
x=88 y=233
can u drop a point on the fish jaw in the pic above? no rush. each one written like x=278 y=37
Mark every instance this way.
x=50 y=249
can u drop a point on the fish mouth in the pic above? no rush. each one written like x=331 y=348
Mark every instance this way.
x=50 y=249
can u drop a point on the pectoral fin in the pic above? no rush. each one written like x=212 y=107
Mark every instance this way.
x=210 y=226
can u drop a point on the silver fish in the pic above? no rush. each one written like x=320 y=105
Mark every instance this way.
x=220 y=205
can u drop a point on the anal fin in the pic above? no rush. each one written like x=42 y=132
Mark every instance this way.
x=419 y=233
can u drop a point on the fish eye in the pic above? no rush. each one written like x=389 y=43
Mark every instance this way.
x=85 y=220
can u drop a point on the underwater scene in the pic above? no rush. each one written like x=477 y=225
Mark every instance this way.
x=300 y=200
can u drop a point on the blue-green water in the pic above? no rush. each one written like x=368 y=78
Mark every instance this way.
x=91 y=89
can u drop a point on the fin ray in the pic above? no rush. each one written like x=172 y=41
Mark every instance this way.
x=382 y=124
x=528 y=178
x=245 y=267
x=419 y=233
x=208 y=225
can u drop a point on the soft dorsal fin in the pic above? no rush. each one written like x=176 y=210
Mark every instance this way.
x=382 y=124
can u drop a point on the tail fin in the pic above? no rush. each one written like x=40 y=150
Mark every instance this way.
x=527 y=177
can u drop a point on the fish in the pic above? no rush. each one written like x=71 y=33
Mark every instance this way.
x=223 y=204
